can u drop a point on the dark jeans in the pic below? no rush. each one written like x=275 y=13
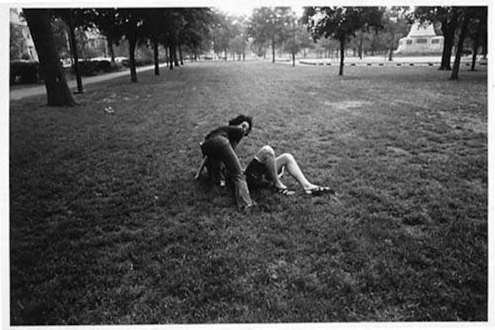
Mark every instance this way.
x=219 y=151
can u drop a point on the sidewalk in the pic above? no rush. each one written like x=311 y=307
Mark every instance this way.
x=20 y=93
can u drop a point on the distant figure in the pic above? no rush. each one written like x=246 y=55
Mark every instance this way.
x=218 y=154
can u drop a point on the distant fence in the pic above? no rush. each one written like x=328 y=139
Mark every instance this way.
x=383 y=63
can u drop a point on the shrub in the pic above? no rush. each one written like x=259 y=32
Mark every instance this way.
x=94 y=67
x=104 y=66
x=139 y=62
x=24 y=72
x=88 y=68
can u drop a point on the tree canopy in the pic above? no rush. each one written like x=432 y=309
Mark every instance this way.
x=341 y=23
x=456 y=22
x=276 y=28
x=58 y=93
x=270 y=26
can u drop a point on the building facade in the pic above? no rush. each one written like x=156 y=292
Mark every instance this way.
x=21 y=25
x=421 y=40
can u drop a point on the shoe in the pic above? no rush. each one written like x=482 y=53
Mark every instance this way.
x=248 y=208
x=318 y=191
x=285 y=191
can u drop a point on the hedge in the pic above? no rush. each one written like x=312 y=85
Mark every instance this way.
x=28 y=72
x=24 y=72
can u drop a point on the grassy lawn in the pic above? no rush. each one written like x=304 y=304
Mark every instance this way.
x=107 y=226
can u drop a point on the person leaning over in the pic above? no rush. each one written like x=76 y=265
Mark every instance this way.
x=218 y=150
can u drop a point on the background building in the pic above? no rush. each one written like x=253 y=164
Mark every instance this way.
x=25 y=44
x=421 y=39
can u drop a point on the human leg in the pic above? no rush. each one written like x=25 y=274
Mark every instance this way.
x=266 y=156
x=216 y=171
x=220 y=150
x=289 y=162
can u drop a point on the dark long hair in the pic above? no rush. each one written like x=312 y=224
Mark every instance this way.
x=239 y=119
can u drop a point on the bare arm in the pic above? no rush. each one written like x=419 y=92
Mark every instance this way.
x=201 y=167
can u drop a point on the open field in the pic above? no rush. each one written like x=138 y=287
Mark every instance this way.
x=107 y=226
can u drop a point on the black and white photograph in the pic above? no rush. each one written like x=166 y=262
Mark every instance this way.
x=264 y=164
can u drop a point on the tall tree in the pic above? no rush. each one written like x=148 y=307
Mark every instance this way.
x=173 y=23
x=478 y=32
x=154 y=25
x=295 y=42
x=341 y=23
x=239 y=37
x=73 y=18
x=57 y=90
x=467 y=16
x=449 y=18
x=395 y=23
x=270 y=26
x=196 y=29
x=105 y=21
x=116 y=23
x=130 y=23
x=222 y=30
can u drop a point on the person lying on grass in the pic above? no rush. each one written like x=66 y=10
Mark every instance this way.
x=218 y=153
x=266 y=170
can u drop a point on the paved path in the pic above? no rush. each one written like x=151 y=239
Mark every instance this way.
x=20 y=93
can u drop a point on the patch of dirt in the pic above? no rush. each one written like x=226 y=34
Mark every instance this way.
x=456 y=120
x=346 y=105
x=398 y=151
x=474 y=124
x=416 y=232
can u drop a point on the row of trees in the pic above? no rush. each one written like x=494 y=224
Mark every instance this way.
x=343 y=23
x=362 y=29
x=169 y=27
x=201 y=29
x=461 y=22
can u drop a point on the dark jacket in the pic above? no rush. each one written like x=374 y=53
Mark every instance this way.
x=233 y=133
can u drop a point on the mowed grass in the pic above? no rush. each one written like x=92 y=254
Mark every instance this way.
x=107 y=226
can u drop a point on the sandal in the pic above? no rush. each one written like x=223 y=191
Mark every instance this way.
x=285 y=191
x=319 y=191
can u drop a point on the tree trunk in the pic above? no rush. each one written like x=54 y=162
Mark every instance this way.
x=458 y=55
x=360 y=49
x=73 y=46
x=447 y=51
x=476 y=45
x=155 y=55
x=342 y=49
x=57 y=90
x=110 y=49
x=180 y=55
x=171 y=56
x=392 y=46
x=132 y=59
x=167 y=58
x=174 y=55
x=448 y=29
x=273 y=48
